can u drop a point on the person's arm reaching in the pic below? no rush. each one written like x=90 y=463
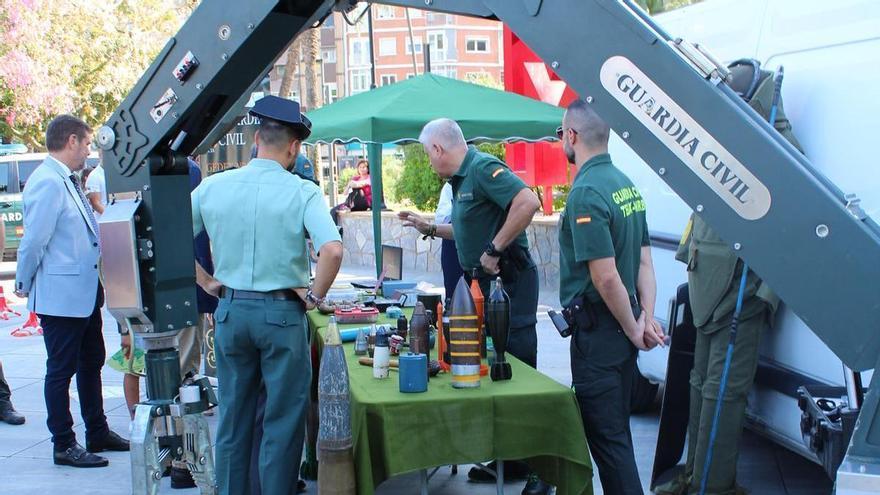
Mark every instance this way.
x=414 y=220
x=325 y=238
x=329 y=261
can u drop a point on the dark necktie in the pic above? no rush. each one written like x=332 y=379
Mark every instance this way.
x=86 y=205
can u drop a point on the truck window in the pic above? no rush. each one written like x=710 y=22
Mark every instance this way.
x=25 y=169
x=4 y=177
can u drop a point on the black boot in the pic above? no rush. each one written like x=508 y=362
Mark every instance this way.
x=9 y=415
x=535 y=486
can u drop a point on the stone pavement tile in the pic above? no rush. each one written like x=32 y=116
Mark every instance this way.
x=24 y=365
x=40 y=476
x=16 y=383
x=29 y=399
x=16 y=439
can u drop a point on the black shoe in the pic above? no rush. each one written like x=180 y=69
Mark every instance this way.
x=182 y=478
x=110 y=442
x=77 y=456
x=513 y=471
x=535 y=486
x=9 y=415
x=300 y=486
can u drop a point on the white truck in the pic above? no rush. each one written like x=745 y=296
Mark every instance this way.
x=831 y=54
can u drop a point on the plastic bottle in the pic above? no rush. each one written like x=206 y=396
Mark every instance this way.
x=381 y=355
x=360 y=343
x=371 y=340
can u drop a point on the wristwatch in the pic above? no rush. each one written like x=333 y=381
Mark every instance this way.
x=491 y=251
x=312 y=299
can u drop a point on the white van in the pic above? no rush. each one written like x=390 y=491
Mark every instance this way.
x=831 y=55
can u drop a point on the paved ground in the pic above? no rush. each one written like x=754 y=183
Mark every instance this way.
x=25 y=451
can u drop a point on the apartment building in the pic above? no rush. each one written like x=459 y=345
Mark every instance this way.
x=460 y=47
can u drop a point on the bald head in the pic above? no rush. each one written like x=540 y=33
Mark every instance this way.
x=445 y=145
x=590 y=128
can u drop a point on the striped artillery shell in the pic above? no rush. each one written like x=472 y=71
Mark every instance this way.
x=334 y=430
x=464 y=338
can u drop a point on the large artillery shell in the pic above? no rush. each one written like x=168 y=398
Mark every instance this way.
x=464 y=338
x=336 y=466
x=334 y=431
x=336 y=472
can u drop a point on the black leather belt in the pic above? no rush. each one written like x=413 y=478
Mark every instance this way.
x=280 y=294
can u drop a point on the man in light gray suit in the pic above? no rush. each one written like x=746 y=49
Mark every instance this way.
x=58 y=272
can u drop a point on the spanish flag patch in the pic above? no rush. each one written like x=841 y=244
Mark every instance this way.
x=583 y=219
x=495 y=173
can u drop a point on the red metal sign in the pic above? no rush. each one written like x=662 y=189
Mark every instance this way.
x=540 y=164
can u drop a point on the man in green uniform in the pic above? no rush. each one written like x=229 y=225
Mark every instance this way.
x=257 y=217
x=714 y=273
x=491 y=208
x=607 y=287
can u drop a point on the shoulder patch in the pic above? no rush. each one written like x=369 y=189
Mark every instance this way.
x=497 y=172
x=583 y=219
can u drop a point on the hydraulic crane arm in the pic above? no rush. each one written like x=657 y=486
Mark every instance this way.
x=666 y=99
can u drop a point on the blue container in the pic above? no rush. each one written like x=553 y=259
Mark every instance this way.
x=413 y=373
x=393 y=312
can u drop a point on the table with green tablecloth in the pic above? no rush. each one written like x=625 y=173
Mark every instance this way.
x=530 y=417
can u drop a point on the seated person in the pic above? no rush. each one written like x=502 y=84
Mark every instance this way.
x=358 y=194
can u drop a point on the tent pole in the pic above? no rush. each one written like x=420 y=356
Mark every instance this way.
x=375 y=157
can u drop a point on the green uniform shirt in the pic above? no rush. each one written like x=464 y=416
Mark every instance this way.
x=257 y=217
x=482 y=190
x=604 y=217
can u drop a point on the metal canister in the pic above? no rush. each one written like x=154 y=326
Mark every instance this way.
x=413 y=371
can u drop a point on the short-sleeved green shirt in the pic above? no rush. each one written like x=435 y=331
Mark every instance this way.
x=482 y=191
x=257 y=217
x=604 y=217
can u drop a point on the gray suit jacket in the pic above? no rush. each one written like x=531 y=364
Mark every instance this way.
x=58 y=255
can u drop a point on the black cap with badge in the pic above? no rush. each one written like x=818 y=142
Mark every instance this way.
x=283 y=111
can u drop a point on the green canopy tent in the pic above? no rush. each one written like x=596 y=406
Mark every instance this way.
x=396 y=114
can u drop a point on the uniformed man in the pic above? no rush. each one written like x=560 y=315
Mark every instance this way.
x=256 y=217
x=714 y=273
x=606 y=284
x=304 y=168
x=491 y=208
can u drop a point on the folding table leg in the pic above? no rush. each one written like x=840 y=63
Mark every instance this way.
x=499 y=477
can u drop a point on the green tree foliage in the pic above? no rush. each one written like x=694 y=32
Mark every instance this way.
x=75 y=56
x=418 y=183
x=657 y=6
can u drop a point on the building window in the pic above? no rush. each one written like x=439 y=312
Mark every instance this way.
x=437 y=42
x=359 y=51
x=329 y=56
x=409 y=75
x=446 y=71
x=330 y=93
x=385 y=12
x=409 y=46
x=360 y=81
x=388 y=79
x=387 y=47
x=477 y=45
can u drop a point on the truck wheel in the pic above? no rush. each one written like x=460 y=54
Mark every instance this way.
x=645 y=395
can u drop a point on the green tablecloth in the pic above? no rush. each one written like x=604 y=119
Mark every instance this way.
x=529 y=417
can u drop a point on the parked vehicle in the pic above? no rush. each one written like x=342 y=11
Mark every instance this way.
x=14 y=172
